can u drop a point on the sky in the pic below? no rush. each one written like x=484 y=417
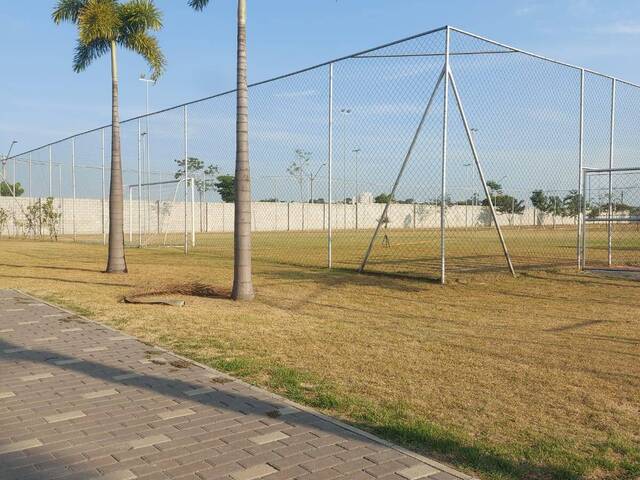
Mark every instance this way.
x=42 y=99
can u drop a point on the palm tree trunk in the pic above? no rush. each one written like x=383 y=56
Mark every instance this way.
x=116 y=262
x=242 y=282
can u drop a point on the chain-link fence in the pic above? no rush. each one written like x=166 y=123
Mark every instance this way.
x=443 y=152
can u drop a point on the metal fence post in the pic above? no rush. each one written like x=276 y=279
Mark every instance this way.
x=330 y=172
x=611 y=152
x=580 y=173
x=50 y=168
x=30 y=191
x=193 y=212
x=73 y=186
x=139 y=185
x=186 y=179
x=130 y=214
x=104 y=194
x=443 y=183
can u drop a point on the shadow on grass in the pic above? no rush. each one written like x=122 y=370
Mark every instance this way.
x=53 y=267
x=79 y=282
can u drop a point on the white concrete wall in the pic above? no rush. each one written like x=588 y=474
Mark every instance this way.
x=218 y=217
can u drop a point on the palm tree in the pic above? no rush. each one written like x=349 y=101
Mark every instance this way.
x=242 y=282
x=103 y=26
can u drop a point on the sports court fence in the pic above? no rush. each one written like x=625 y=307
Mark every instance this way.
x=442 y=152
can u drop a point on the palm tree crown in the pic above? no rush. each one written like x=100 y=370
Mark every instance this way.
x=198 y=4
x=103 y=23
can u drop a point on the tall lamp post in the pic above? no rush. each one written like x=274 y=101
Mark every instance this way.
x=346 y=112
x=357 y=193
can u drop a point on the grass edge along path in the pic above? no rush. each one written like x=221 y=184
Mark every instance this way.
x=541 y=459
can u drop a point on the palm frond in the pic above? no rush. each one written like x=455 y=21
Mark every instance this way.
x=140 y=15
x=67 y=11
x=99 y=19
x=87 y=53
x=198 y=4
x=147 y=46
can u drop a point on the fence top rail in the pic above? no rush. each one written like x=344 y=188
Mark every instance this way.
x=358 y=55
x=611 y=170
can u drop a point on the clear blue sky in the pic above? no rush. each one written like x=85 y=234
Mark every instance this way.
x=42 y=99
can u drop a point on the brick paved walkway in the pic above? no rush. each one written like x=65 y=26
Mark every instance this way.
x=81 y=401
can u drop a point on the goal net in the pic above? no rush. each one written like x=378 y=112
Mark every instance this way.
x=611 y=213
x=161 y=214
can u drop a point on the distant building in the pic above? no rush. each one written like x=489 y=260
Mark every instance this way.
x=365 y=198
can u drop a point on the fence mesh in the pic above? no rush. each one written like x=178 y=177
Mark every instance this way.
x=534 y=124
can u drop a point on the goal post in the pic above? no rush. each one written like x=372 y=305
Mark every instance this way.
x=162 y=213
x=610 y=209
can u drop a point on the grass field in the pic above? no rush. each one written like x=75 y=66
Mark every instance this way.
x=532 y=377
x=416 y=253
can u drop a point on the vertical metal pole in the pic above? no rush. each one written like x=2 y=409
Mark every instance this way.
x=583 y=208
x=73 y=185
x=610 y=199
x=130 y=214
x=50 y=168
x=193 y=212
x=104 y=194
x=30 y=192
x=139 y=186
x=443 y=182
x=186 y=179
x=580 y=173
x=330 y=171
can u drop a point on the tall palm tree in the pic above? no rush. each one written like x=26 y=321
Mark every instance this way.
x=242 y=282
x=103 y=26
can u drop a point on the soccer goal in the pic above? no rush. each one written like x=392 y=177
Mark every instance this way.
x=610 y=236
x=162 y=214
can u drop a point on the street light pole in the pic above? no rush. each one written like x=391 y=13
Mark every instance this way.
x=346 y=112
x=357 y=193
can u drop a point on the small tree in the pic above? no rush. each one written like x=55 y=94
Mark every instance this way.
x=4 y=218
x=298 y=169
x=225 y=186
x=383 y=198
x=195 y=166
x=51 y=218
x=494 y=187
x=572 y=204
x=7 y=189
x=506 y=204
x=539 y=200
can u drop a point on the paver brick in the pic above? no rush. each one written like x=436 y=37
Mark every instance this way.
x=417 y=472
x=63 y=417
x=252 y=473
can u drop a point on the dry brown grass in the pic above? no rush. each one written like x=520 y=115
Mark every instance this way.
x=534 y=377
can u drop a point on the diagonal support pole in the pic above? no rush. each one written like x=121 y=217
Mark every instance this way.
x=480 y=172
x=402 y=169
